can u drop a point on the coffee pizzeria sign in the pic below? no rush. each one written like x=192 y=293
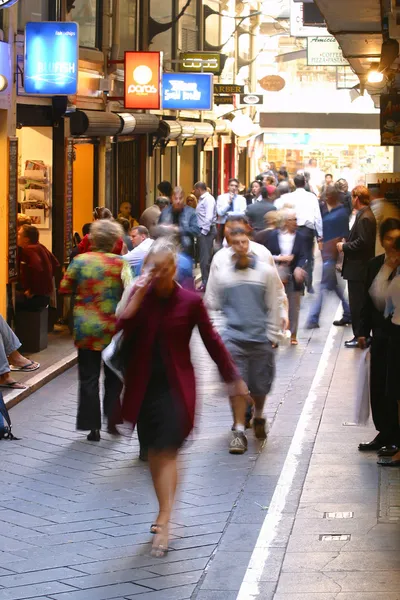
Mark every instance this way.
x=7 y=3
x=324 y=51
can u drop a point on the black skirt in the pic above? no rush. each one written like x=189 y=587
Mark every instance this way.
x=160 y=423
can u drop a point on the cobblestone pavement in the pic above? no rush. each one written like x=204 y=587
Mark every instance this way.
x=75 y=516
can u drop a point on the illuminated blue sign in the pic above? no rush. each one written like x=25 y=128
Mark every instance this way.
x=51 y=58
x=187 y=91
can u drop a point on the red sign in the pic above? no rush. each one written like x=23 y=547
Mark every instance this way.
x=142 y=80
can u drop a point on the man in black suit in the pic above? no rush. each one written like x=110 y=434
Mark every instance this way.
x=380 y=272
x=256 y=212
x=358 y=251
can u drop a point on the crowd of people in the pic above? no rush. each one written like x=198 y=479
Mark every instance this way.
x=133 y=286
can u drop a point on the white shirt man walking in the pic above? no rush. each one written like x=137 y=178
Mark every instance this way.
x=206 y=218
x=309 y=220
x=141 y=245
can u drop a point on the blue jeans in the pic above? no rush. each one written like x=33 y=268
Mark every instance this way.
x=329 y=283
x=8 y=344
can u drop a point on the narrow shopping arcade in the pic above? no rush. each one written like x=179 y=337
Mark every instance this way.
x=303 y=517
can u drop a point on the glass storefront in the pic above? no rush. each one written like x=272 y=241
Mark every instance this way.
x=85 y=12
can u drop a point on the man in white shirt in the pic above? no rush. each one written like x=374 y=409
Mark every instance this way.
x=230 y=203
x=206 y=218
x=309 y=221
x=141 y=245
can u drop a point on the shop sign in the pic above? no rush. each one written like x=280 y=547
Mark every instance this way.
x=51 y=58
x=7 y=3
x=286 y=139
x=142 y=80
x=251 y=99
x=228 y=88
x=187 y=91
x=297 y=27
x=390 y=119
x=272 y=83
x=324 y=51
x=200 y=62
x=223 y=99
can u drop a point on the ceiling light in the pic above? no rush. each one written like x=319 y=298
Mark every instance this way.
x=374 y=76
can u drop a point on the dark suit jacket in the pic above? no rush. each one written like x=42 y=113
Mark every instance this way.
x=299 y=252
x=371 y=318
x=256 y=213
x=360 y=247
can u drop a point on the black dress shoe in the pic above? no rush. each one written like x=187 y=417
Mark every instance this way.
x=352 y=343
x=388 y=451
x=370 y=446
x=388 y=463
x=342 y=322
x=94 y=436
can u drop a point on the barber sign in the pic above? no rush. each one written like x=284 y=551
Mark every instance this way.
x=142 y=80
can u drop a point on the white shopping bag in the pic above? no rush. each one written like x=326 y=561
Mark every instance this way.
x=362 y=401
x=112 y=356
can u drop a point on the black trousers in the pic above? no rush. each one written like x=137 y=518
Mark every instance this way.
x=393 y=379
x=89 y=412
x=308 y=236
x=356 y=299
x=383 y=405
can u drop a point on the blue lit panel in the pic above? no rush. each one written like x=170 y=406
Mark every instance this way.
x=187 y=91
x=51 y=58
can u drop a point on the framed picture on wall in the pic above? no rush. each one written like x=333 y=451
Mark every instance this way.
x=38 y=217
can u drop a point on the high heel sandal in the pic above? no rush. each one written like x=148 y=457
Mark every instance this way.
x=159 y=550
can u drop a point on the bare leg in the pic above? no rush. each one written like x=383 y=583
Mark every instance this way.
x=16 y=359
x=259 y=402
x=260 y=425
x=163 y=468
x=239 y=406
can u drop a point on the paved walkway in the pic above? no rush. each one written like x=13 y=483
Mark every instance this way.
x=74 y=516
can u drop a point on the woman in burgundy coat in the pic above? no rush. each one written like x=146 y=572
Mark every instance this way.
x=160 y=383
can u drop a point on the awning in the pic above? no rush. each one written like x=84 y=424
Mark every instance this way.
x=93 y=123
x=174 y=130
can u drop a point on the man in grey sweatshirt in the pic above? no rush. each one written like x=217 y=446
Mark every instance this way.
x=246 y=290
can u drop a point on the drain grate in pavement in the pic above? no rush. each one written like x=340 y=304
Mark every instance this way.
x=338 y=515
x=389 y=496
x=335 y=537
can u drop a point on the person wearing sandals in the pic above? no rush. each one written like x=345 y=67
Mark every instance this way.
x=247 y=291
x=97 y=278
x=288 y=249
x=159 y=392
x=11 y=359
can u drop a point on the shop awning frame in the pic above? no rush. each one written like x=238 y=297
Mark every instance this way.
x=93 y=123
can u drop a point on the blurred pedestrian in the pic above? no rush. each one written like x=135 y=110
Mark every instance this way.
x=247 y=291
x=127 y=228
x=165 y=188
x=230 y=203
x=392 y=312
x=358 y=251
x=97 y=279
x=191 y=201
x=344 y=195
x=11 y=359
x=101 y=213
x=288 y=249
x=151 y=215
x=254 y=193
x=125 y=212
x=335 y=228
x=183 y=219
x=309 y=221
x=380 y=272
x=160 y=384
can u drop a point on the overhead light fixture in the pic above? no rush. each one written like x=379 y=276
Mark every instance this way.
x=374 y=76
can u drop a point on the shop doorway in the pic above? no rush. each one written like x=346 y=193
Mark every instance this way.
x=186 y=174
x=83 y=185
x=128 y=171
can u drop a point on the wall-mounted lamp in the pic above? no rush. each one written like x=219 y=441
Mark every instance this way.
x=3 y=83
x=374 y=76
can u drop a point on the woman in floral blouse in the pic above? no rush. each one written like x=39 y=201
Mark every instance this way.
x=97 y=279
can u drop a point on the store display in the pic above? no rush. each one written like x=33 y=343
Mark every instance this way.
x=35 y=193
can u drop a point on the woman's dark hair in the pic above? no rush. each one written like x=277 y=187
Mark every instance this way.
x=165 y=188
x=126 y=226
x=388 y=225
x=397 y=244
x=86 y=229
x=264 y=193
x=284 y=173
x=101 y=212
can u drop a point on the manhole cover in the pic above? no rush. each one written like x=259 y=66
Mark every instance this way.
x=336 y=537
x=338 y=515
x=389 y=496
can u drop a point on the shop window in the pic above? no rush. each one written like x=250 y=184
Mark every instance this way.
x=161 y=12
x=127 y=26
x=189 y=30
x=88 y=14
x=32 y=10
